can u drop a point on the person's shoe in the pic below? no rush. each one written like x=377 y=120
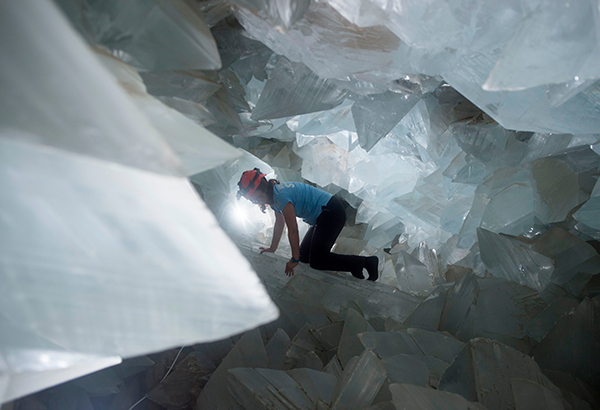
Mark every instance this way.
x=358 y=273
x=372 y=266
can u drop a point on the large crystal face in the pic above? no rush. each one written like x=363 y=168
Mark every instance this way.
x=462 y=137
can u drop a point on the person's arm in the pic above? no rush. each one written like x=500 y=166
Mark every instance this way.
x=289 y=214
x=277 y=231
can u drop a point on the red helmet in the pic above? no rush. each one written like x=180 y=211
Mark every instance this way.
x=249 y=181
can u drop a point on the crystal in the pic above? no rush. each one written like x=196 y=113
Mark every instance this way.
x=384 y=405
x=531 y=395
x=572 y=344
x=570 y=254
x=589 y=212
x=412 y=275
x=192 y=85
x=107 y=127
x=373 y=121
x=318 y=386
x=332 y=293
x=428 y=313
x=144 y=32
x=558 y=188
x=198 y=149
x=30 y=362
x=541 y=324
x=509 y=259
x=292 y=89
x=350 y=344
x=359 y=383
x=310 y=361
x=90 y=327
x=302 y=344
x=576 y=387
x=489 y=308
x=366 y=48
x=102 y=383
x=265 y=389
x=406 y=369
x=183 y=385
x=334 y=367
x=436 y=368
x=525 y=110
x=282 y=14
x=249 y=351
x=276 y=349
x=388 y=344
x=558 y=94
x=329 y=336
x=568 y=32
x=483 y=372
x=417 y=397
x=435 y=344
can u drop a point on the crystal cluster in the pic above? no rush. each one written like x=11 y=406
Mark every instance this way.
x=463 y=137
x=106 y=250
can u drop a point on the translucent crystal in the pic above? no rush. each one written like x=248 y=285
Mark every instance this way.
x=366 y=48
x=143 y=32
x=574 y=388
x=412 y=275
x=572 y=344
x=78 y=211
x=359 y=383
x=282 y=14
x=570 y=254
x=406 y=369
x=37 y=94
x=276 y=349
x=569 y=35
x=388 y=344
x=541 y=324
x=529 y=394
x=525 y=110
x=417 y=397
x=197 y=148
x=350 y=345
x=30 y=362
x=292 y=89
x=483 y=372
x=192 y=85
x=428 y=313
x=558 y=189
x=374 y=118
x=511 y=209
x=302 y=344
x=318 y=386
x=506 y=258
x=560 y=93
x=589 y=213
x=329 y=335
x=182 y=386
x=249 y=351
x=265 y=388
x=435 y=344
x=490 y=308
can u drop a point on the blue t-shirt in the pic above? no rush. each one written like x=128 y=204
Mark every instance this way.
x=307 y=200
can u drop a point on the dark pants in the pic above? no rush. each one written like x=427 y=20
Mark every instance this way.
x=315 y=248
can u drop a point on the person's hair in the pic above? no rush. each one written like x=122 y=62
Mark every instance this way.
x=267 y=186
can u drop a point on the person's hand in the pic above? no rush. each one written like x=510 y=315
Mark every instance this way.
x=270 y=249
x=289 y=268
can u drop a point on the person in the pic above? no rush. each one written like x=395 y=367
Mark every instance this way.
x=322 y=211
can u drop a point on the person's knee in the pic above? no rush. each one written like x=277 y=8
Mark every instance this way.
x=316 y=263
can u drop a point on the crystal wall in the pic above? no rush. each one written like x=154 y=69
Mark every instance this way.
x=463 y=137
